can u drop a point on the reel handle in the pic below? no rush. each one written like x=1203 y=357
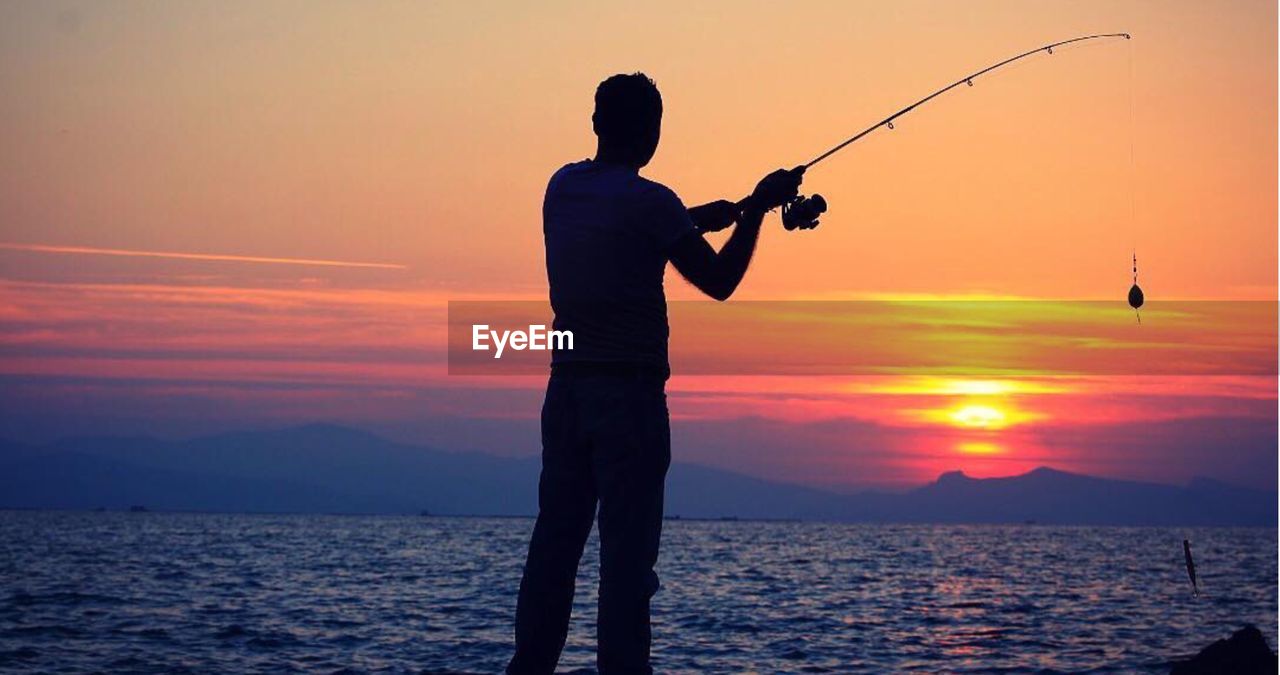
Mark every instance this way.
x=799 y=213
x=802 y=212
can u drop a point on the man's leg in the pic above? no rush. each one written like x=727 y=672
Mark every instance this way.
x=566 y=507
x=631 y=453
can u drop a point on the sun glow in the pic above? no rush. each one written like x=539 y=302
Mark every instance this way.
x=915 y=386
x=978 y=448
x=978 y=417
x=977 y=413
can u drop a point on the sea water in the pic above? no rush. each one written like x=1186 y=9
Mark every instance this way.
x=158 y=592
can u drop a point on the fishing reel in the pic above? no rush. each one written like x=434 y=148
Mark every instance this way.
x=801 y=212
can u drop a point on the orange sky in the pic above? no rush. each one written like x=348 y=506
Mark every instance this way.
x=422 y=134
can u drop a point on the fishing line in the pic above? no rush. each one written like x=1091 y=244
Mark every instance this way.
x=1136 y=297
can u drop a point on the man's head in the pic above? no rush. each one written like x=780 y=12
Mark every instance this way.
x=628 y=118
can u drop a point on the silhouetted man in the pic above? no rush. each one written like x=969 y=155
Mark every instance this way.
x=605 y=431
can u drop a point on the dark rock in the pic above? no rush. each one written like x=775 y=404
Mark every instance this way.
x=1245 y=653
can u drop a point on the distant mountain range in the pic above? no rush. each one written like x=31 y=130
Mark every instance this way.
x=333 y=469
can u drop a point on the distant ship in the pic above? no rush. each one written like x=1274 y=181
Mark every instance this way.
x=137 y=509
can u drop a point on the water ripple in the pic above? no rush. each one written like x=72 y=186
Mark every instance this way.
x=172 y=593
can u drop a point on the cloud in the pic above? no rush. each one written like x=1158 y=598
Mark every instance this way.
x=215 y=257
x=184 y=358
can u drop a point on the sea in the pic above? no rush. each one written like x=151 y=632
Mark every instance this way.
x=231 y=593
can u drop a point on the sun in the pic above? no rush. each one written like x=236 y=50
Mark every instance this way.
x=976 y=416
x=987 y=407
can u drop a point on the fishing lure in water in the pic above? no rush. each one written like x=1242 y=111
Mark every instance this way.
x=1191 y=565
x=1135 y=301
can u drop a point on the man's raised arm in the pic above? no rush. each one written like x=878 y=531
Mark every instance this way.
x=718 y=274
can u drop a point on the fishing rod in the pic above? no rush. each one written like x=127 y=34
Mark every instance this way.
x=802 y=212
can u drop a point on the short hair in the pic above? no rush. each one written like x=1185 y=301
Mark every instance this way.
x=627 y=106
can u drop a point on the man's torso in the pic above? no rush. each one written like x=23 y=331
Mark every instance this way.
x=608 y=232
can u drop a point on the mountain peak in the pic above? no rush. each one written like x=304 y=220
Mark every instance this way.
x=321 y=431
x=323 y=428
x=311 y=437
x=956 y=476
